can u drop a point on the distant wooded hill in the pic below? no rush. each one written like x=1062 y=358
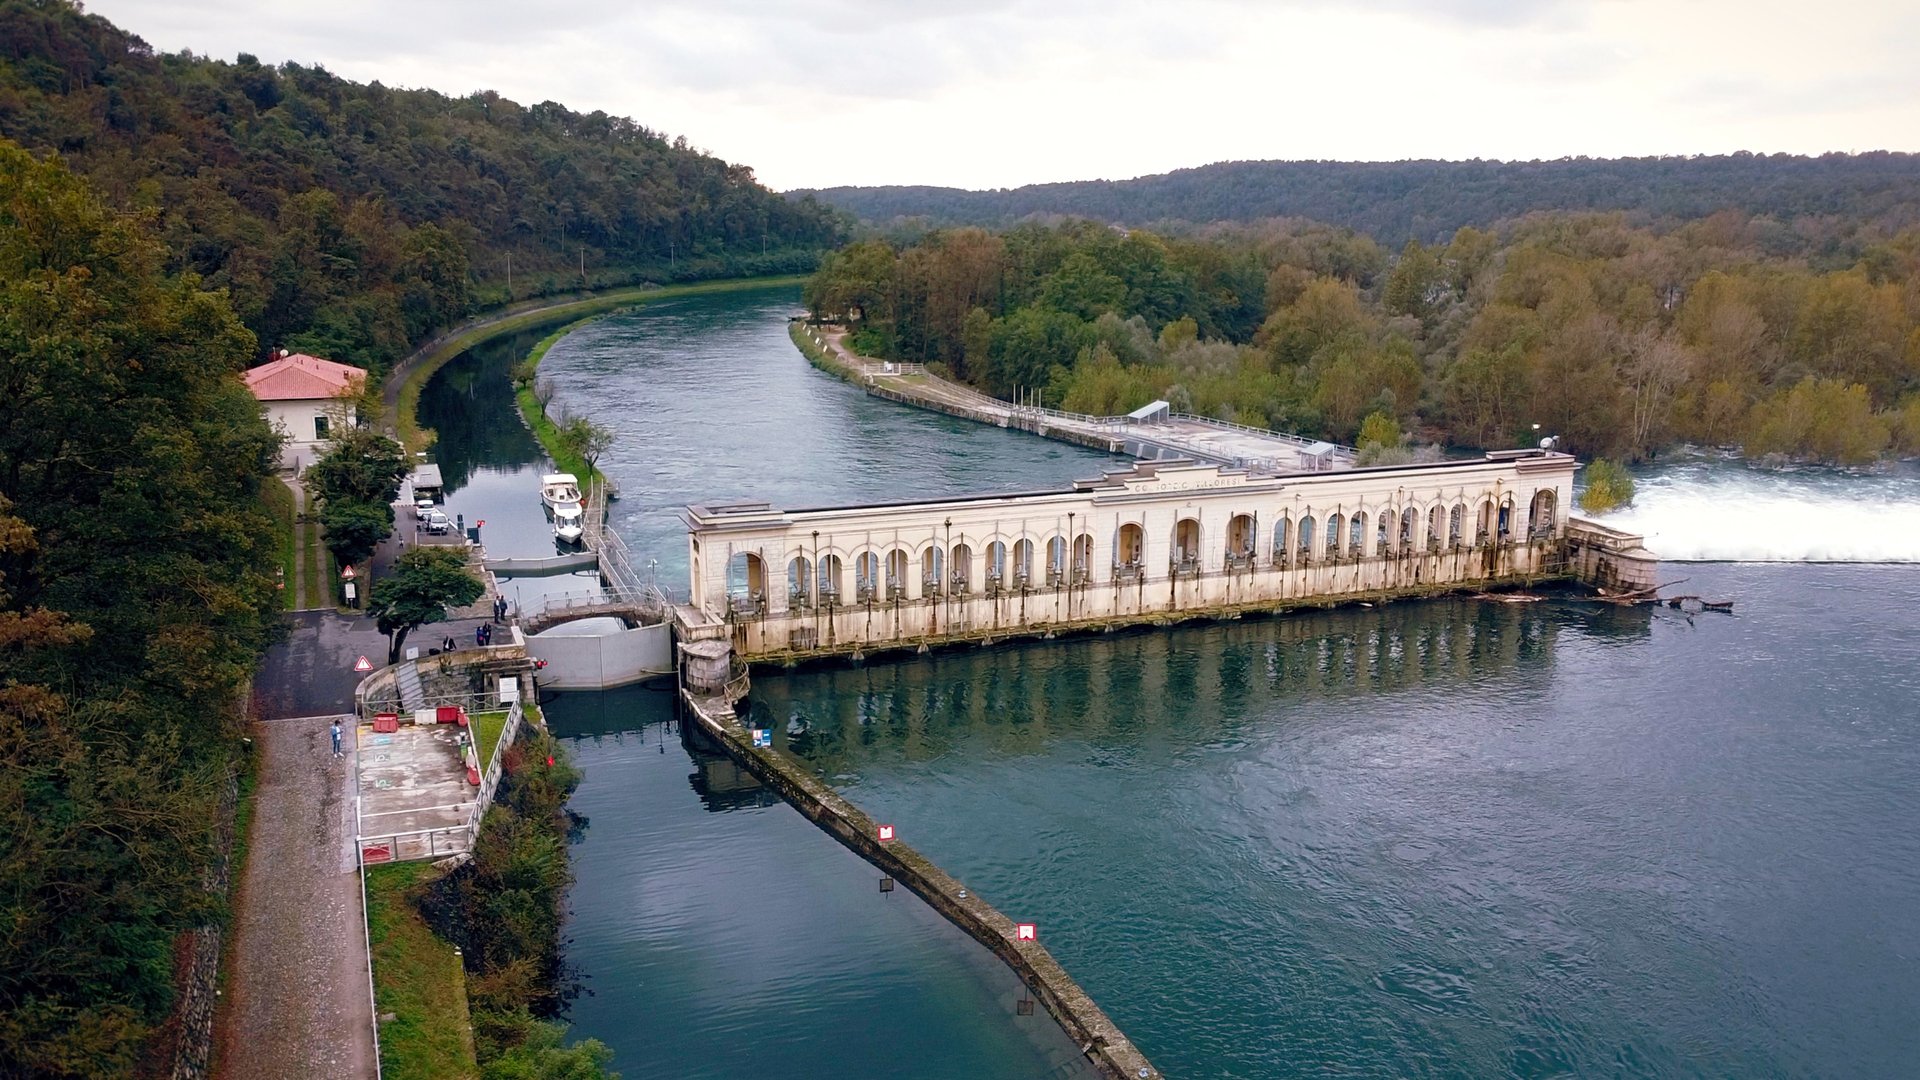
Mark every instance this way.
x=350 y=220
x=1428 y=200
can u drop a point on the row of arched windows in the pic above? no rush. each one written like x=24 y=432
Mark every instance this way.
x=1307 y=538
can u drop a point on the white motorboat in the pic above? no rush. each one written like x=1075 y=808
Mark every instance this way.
x=559 y=490
x=568 y=524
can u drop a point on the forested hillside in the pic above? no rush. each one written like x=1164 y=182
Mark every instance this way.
x=136 y=593
x=1396 y=201
x=350 y=220
x=1623 y=339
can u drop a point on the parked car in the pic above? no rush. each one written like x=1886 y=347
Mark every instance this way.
x=437 y=523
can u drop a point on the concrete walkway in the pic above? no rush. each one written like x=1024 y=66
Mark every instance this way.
x=297 y=1003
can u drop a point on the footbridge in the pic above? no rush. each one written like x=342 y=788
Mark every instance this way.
x=591 y=658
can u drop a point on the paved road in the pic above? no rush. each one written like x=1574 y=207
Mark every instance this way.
x=311 y=673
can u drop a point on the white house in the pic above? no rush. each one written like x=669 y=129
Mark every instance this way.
x=302 y=396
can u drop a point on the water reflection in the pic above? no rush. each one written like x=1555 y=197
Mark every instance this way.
x=1205 y=680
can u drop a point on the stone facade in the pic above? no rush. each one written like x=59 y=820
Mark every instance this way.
x=1156 y=541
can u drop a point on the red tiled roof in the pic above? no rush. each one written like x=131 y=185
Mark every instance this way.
x=299 y=377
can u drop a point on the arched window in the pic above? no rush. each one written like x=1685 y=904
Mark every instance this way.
x=1433 y=529
x=1409 y=520
x=866 y=575
x=800 y=583
x=1506 y=517
x=1023 y=564
x=1456 y=521
x=1056 y=559
x=1483 y=524
x=1540 y=516
x=996 y=566
x=933 y=566
x=1383 y=536
x=1129 y=551
x=1336 y=532
x=1240 y=540
x=1186 y=544
x=830 y=580
x=746 y=580
x=1083 y=558
x=896 y=574
x=1357 y=536
x=1281 y=534
x=962 y=563
x=1305 y=544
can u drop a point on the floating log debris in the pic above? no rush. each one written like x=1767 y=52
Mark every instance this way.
x=1698 y=603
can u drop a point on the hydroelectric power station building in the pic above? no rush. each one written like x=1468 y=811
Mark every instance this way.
x=1156 y=541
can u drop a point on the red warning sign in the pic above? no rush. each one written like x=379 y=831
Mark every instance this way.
x=886 y=832
x=363 y=664
x=1024 y=932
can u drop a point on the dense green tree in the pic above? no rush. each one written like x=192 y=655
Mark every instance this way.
x=424 y=583
x=1619 y=336
x=354 y=529
x=360 y=465
x=354 y=220
x=138 y=592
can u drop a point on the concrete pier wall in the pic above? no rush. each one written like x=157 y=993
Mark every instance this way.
x=604 y=660
x=1111 y=1053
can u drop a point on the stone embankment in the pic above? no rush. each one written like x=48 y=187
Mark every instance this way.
x=1110 y=1051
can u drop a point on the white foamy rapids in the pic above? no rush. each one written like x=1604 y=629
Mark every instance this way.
x=1728 y=512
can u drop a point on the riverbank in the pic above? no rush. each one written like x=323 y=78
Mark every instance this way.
x=401 y=390
x=533 y=412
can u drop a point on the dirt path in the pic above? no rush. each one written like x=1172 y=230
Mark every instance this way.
x=298 y=998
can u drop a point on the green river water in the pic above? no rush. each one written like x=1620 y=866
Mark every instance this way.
x=1446 y=838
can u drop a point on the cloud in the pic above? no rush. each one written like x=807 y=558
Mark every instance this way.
x=1003 y=92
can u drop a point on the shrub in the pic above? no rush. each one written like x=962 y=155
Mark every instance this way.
x=1609 y=487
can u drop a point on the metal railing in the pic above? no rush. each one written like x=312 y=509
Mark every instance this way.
x=414 y=845
x=490 y=775
x=1285 y=437
x=435 y=843
x=650 y=601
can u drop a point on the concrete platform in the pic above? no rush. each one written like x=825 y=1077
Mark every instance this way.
x=413 y=795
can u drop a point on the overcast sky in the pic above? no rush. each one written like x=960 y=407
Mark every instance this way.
x=998 y=93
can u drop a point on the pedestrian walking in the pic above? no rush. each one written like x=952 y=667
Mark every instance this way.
x=335 y=732
x=480 y=635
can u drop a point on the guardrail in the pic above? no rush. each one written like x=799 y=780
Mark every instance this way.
x=490 y=775
x=415 y=844
x=1292 y=440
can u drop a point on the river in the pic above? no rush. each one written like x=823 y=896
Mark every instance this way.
x=1442 y=838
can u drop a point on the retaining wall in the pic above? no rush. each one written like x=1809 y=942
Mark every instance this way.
x=1109 y=1050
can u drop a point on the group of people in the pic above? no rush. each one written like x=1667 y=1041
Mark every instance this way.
x=482 y=634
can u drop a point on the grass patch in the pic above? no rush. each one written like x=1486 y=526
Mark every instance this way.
x=407 y=398
x=816 y=355
x=487 y=727
x=417 y=977
x=313 y=563
x=276 y=499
